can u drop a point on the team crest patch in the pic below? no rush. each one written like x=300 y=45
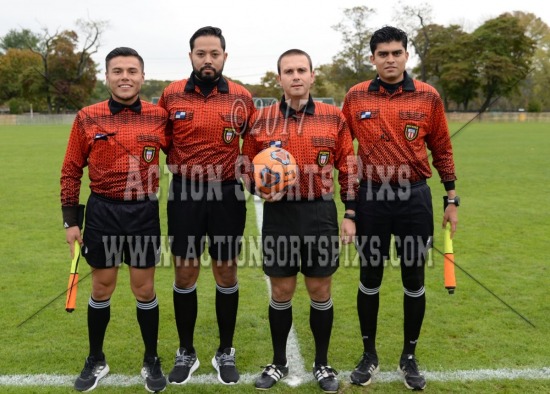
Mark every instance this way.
x=411 y=132
x=323 y=158
x=180 y=115
x=149 y=153
x=229 y=134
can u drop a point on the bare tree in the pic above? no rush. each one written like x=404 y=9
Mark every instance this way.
x=352 y=63
x=414 y=20
x=65 y=66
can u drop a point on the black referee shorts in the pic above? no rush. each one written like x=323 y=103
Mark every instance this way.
x=300 y=236
x=408 y=215
x=200 y=213
x=121 y=231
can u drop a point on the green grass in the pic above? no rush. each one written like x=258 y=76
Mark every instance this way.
x=503 y=172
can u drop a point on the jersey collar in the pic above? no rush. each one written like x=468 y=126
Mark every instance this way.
x=115 y=107
x=288 y=112
x=408 y=84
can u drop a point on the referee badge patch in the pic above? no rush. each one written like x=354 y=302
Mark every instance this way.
x=323 y=158
x=411 y=132
x=149 y=153
x=229 y=134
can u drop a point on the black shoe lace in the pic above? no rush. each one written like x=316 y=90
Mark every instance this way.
x=226 y=360
x=367 y=359
x=410 y=366
x=155 y=370
x=326 y=371
x=88 y=370
x=184 y=360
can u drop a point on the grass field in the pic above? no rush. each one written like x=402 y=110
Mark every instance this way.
x=503 y=172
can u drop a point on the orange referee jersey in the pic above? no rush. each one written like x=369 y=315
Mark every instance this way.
x=120 y=149
x=393 y=131
x=205 y=131
x=318 y=138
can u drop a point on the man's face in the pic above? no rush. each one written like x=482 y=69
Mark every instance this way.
x=207 y=58
x=296 y=77
x=124 y=78
x=390 y=59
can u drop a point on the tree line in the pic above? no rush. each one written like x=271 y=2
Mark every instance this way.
x=503 y=64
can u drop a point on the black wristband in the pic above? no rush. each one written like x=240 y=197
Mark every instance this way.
x=73 y=215
x=350 y=216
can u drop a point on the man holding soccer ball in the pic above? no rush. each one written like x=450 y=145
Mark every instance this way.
x=300 y=223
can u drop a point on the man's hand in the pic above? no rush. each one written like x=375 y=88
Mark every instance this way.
x=271 y=197
x=347 y=230
x=450 y=216
x=73 y=234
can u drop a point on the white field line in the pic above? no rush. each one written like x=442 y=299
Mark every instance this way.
x=296 y=371
x=116 y=380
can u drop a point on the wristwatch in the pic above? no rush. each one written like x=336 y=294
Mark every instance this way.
x=350 y=216
x=455 y=200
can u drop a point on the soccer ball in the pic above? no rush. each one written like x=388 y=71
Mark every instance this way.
x=274 y=170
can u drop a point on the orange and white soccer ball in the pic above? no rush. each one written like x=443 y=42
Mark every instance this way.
x=274 y=170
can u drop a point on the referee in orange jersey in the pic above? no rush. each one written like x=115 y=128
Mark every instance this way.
x=300 y=226
x=119 y=140
x=206 y=205
x=394 y=118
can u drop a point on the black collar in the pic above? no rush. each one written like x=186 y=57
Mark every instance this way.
x=223 y=86
x=116 y=107
x=288 y=112
x=408 y=84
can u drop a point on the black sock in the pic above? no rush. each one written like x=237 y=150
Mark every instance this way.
x=185 y=311
x=321 y=316
x=368 y=301
x=148 y=319
x=99 y=314
x=227 y=304
x=280 y=322
x=414 y=306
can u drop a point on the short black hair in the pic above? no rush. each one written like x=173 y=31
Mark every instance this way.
x=294 y=52
x=123 y=51
x=207 y=31
x=387 y=34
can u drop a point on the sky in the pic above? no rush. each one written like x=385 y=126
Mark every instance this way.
x=256 y=32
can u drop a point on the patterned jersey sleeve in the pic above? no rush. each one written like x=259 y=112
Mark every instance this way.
x=346 y=164
x=438 y=142
x=75 y=160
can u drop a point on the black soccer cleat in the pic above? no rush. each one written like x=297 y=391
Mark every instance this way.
x=271 y=374
x=326 y=376
x=186 y=363
x=365 y=370
x=224 y=363
x=155 y=381
x=94 y=369
x=412 y=378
